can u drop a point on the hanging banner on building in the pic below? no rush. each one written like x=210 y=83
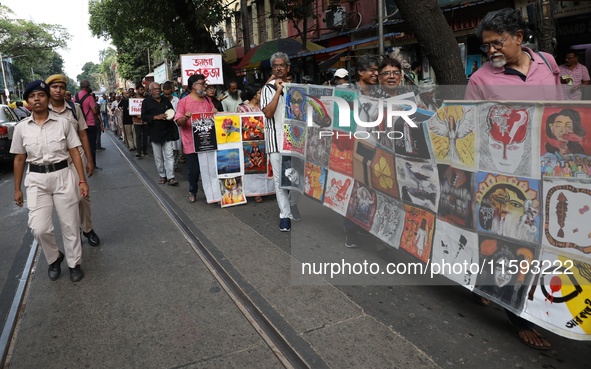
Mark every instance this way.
x=210 y=65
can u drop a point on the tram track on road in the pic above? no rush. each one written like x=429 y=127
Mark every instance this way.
x=285 y=351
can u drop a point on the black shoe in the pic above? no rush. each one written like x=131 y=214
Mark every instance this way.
x=76 y=274
x=100 y=149
x=93 y=239
x=138 y=155
x=98 y=169
x=55 y=268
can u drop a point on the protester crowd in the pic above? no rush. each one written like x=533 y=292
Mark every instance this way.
x=56 y=176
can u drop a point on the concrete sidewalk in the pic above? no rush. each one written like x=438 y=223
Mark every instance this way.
x=147 y=300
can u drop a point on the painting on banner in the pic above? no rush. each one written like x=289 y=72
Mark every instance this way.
x=453 y=136
x=338 y=191
x=388 y=220
x=341 y=153
x=455 y=254
x=415 y=142
x=210 y=65
x=292 y=172
x=204 y=138
x=561 y=298
x=253 y=127
x=506 y=271
x=229 y=160
x=417 y=236
x=294 y=137
x=318 y=143
x=255 y=157
x=227 y=128
x=295 y=102
x=383 y=172
x=362 y=205
x=456 y=198
x=232 y=191
x=566 y=141
x=418 y=182
x=508 y=206
x=566 y=217
x=315 y=180
x=322 y=111
x=350 y=96
x=508 y=142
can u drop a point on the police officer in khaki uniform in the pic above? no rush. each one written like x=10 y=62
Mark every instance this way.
x=46 y=142
x=57 y=104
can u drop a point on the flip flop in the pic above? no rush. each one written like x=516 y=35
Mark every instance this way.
x=162 y=180
x=517 y=330
x=258 y=199
x=481 y=300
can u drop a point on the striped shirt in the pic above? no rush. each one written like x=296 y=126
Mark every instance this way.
x=579 y=74
x=273 y=126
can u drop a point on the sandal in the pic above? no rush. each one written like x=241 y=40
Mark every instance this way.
x=191 y=198
x=258 y=199
x=533 y=336
x=162 y=180
x=481 y=300
x=172 y=182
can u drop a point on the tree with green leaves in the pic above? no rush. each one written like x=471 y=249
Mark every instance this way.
x=31 y=47
x=137 y=26
x=90 y=72
x=297 y=12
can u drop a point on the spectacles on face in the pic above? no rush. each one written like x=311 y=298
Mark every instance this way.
x=200 y=83
x=372 y=70
x=279 y=66
x=497 y=44
x=393 y=73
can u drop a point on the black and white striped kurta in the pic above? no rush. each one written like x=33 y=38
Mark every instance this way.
x=273 y=126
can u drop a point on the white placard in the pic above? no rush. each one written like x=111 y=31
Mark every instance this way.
x=210 y=65
x=135 y=106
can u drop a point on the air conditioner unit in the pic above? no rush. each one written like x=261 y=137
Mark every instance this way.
x=336 y=18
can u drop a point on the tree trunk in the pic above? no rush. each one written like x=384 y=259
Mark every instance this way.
x=426 y=21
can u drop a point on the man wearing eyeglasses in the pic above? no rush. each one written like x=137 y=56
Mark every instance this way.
x=514 y=72
x=573 y=75
x=366 y=68
x=390 y=75
x=272 y=103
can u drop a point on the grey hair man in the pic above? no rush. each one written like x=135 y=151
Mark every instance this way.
x=272 y=105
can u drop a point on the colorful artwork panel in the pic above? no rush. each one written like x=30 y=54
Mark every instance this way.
x=229 y=160
x=295 y=102
x=227 y=128
x=383 y=173
x=417 y=237
x=566 y=142
x=338 y=191
x=294 y=137
x=508 y=206
x=362 y=205
x=204 y=138
x=341 y=153
x=322 y=111
x=315 y=181
x=255 y=157
x=253 y=127
x=232 y=191
x=508 y=140
x=453 y=136
x=350 y=96
x=456 y=196
x=566 y=217
x=414 y=142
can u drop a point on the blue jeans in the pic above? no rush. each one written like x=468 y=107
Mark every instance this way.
x=194 y=171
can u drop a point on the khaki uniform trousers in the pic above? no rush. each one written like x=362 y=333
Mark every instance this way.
x=57 y=189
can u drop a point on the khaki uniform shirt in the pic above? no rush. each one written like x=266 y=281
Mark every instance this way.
x=66 y=112
x=47 y=143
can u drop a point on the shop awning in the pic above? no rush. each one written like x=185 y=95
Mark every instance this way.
x=344 y=46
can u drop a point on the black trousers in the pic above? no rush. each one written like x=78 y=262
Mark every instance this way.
x=91 y=132
x=141 y=138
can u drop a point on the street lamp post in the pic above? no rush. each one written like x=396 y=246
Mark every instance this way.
x=4 y=79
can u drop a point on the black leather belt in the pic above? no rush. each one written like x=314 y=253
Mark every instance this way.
x=48 y=168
